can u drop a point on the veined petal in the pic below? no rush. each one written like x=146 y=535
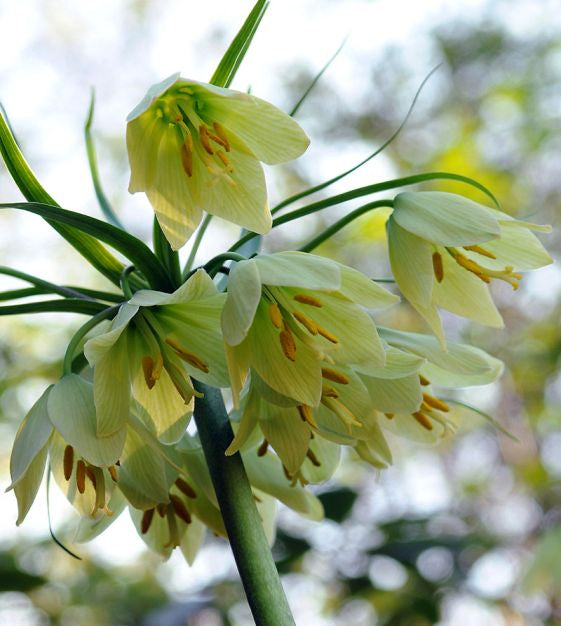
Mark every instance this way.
x=235 y=192
x=444 y=218
x=244 y=293
x=287 y=434
x=299 y=378
x=363 y=290
x=398 y=364
x=237 y=360
x=327 y=454
x=91 y=527
x=298 y=269
x=395 y=395
x=144 y=135
x=31 y=438
x=411 y=263
x=111 y=386
x=72 y=412
x=463 y=293
x=272 y=135
x=199 y=286
x=192 y=540
x=406 y=426
x=153 y=93
x=98 y=346
x=29 y=482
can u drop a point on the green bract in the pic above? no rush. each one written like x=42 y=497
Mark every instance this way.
x=195 y=147
x=287 y=313
x=152 y=348
x=445 y=249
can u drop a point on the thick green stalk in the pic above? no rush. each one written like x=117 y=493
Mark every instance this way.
x=253 y=557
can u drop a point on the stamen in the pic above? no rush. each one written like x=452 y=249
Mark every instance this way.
x=486 y=274
x=90 y=474
x=481 y=251
x=423 y=420
x=275 y=314
x=325 y=333
x=185 y=488
x=179 y=508
x=113 y=473
x=309 y=324
x=217 y=140
x=437 y=266
x=424 y=381
x=335 y=376
x=225 y=161
x=146 y=521
x=313 y=458
x=307 y=415
x=288 y=344
x=390 y=416
x=330 y=392
x=162 y=508
x=342 y=412
x=205 y=139
x=286 y=472
x=151 y=369
x=435 y=403
x=262 y=450
x=304 y=298
x=173 y=541
x=219 y=130
x=68 y=462
x=187 y=159
x=188 y=357
x=81 y=476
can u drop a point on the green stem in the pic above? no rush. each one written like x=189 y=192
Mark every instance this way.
x=249 y=545
x=125 y=285
x=81 y=333
x=215 y=263
x=196 y=244
x=168 y=256
x=339 y=224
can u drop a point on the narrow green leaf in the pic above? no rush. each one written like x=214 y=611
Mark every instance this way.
x=496 y=424
x=233 y=57
x=331 y=181
x=45 y=284
x=28 y=292
x=316 y=78
x=30 y=187
x=92 y=162
x=128 y=245
x=68 y=305
x=168 y=257
x=359 y=192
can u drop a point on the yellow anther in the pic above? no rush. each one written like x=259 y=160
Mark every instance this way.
x=424 y=381
x=309 y=324
x=325 y=333
x=179 y=508
x=262 y=450
x=146 y=521
x=68 y=462
x=304 y=298
x=287 y=343
x=508 y=275
x=217 y=140
x=423 y=420
x=113 y=473
x=435 y=403
x=185 y=488
x=81 y=476
x=437 y=266
x=186 y=356
x=205 y=139
x=334 y=375
x=330 y=392
x=275 y=314
x=313 y=458
x=219 y=130
x=342 y=412
x=147 y=369
x=307 y=415
x=390 y=416
x=222 y=156
x=187 y=159
x=481 y=251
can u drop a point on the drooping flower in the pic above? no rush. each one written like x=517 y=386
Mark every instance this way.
x=152 y=349
x=289 y=314
x=445 y=250
x=195 y=147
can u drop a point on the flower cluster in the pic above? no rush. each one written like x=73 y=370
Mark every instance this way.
x=290 y=334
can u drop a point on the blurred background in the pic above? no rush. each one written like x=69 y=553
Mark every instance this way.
x=466 y=533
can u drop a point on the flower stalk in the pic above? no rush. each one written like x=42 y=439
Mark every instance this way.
x=257 y=569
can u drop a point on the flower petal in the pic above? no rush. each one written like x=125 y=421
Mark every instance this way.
x=72 y=412
x=244 y=293
x=28 y=484
x=298 y=269
x=444 y=218
x=363 y=290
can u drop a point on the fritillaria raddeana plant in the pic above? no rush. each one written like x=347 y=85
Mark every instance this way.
x=289 y=335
